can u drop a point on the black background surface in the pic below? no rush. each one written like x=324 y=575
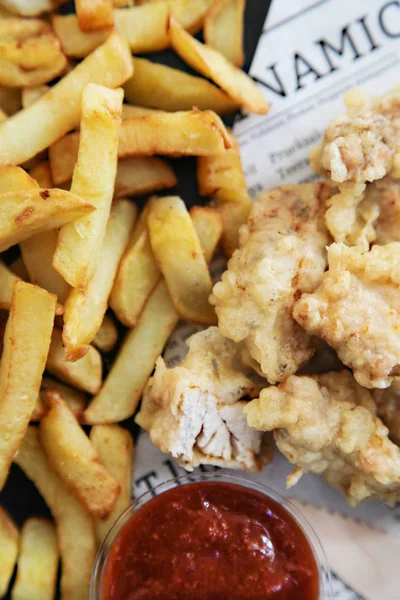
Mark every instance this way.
x=19 y=496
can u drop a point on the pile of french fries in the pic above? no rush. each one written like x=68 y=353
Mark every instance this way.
x=72 y=157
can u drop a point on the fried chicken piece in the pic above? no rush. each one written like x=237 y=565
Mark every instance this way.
x=360 y=146
x=325 y=424
x=356 y=310
x=351 y=216
x=195 y=412
x=388 y=409
x=385 y=194
x=281 y=255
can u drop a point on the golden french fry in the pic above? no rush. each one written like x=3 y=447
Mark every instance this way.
x=10 y=100
x=37 y=561
x=37 y=253
x=31 y=94
x=141 y=175
x=183 y=133
x=42 y=174
x=84 y=310
x=94 y=15
x=38 y=250
x=116 y=452
x=78 y=245
x=26 y=345
x=179 y=257
x=7 y=281
x=129 y=111
x=121 y=3
x=162 y=87
x=208 y=225
x=85 y=374
x=234 y=215
x=75 y=530
x=144 y=27
x=9 y=543
x=75 y=460
x=137 y=275
x=30 y=61
x=17 y=29
x=75 y=399
x=212 y=64
x=3 y=116
x=223 y=29
x=121 y=392
x=19 y=269
x=107 y=336
x=57 y=112
x=222 y=177
x=27 y=209
x=30 y=8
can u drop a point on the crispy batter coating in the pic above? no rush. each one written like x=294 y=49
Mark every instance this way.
x=388 y=409
x=356 y=309
x=360 y=147
x=385 y=194
x=195 y=412
x=325 y=424
x=281 y=255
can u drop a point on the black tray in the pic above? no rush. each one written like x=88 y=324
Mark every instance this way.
x=19 y=496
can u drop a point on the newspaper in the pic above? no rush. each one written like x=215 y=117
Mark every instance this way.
x=309 y=54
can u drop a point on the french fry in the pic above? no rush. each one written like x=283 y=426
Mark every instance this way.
x=42 y=174
x=37 y=561
x=17 y=29
x=79 y=244
x=7 y=281
x=30 y=8
x=27 y=209
x=179 y=257
x=223 y=29
x=37 y=253
x=75 y=530
x=162 y=87
x=84 y=310
x=25 y=347
x=121 y=392
x=121 y=3
x=9 y=543
x=75 y=460
x=10 y=100
x=84 y=374
x=234 y=215
x=19 y=269
x=222 y=177
x=129 y=111
x=116 y=452
x=137 y=275
x=3 y=116
x=75 y=399
x=213 y=65
x=30 y=61
x=144 y=27
x=107 y=336
x=208 y=225
x=57 y=112
x=94 y=15
x=183 y=133
x=31 y=94
x=141 y=175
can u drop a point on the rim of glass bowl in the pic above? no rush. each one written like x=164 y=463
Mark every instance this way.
x=325 y=592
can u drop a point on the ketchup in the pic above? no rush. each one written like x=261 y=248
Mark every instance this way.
x=211 y=541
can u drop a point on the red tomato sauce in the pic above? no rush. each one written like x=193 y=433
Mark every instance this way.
x=211 y=541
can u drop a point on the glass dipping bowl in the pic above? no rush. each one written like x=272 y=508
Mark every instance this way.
x=325 y=588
